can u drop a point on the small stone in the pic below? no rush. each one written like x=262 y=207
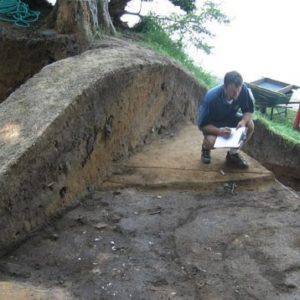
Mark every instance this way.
x=203 y=270
x=100 y=226
x=96 y=271
x=115 y=218
x=201 y=284
x=48 y=32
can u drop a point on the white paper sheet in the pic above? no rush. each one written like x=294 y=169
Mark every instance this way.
x=234 y=141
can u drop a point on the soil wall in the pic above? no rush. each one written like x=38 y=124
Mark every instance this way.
x=61 y=130
x=274 y=152
x=24 y=52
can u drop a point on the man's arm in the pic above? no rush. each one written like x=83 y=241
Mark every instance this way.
x=246 y=118
x=213 y=130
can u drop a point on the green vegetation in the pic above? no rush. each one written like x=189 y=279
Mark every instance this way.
x=155 y=32
x=152 y=35
x=192 y=28
x=171 y=34
x=281 y=125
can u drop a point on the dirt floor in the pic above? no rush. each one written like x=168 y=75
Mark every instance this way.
x=145 y=242
x=132 y=244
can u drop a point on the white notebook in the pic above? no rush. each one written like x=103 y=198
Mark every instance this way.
x=234 y=141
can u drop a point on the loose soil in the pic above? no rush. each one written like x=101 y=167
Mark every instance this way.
x=133 y=244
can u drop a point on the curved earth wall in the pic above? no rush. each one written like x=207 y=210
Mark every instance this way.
x=60 y=131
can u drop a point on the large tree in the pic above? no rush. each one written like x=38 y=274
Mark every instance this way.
x=83 y=17
x=117 y=9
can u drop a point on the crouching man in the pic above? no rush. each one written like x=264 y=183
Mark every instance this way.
x=219 y=111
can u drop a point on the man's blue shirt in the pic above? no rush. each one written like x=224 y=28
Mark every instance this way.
x=215 y=109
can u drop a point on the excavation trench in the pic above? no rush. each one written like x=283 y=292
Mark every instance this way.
x=62 y=134
x=24 y=51
x=285 y=175
x=276 y=154
x=61 y=130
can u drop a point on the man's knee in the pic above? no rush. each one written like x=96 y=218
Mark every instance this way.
x=209 y=141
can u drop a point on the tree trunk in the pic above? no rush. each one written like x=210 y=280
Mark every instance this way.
x=104 y=17
x=82 y=17
x=116 y=11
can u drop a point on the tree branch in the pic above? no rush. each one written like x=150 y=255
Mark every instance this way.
x=132 y=13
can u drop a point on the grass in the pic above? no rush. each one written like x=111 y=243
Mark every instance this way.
x=151 y=35
x=281 y=125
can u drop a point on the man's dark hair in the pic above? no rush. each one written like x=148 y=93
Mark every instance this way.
x=233 y=77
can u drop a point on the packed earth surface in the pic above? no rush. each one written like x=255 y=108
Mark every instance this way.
x=132 y=244
x=170 y=241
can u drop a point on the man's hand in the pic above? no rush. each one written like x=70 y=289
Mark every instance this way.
x=242 y=123
x=225 y=132
x=246 y=118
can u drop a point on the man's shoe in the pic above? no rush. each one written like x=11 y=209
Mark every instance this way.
x=205 y=156
x=235 y=160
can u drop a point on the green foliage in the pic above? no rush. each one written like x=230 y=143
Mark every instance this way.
x=192 y=28
x=156 y=38
x=185 y=5
x=281 y=126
